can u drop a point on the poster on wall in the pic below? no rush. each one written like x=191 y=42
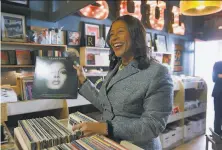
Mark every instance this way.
x=92 y=29
x=73 y=38
x=161 y=43
x=13 y=27
x=149 y=39
x=55 y=78
x=107 y=28
x=178 y=66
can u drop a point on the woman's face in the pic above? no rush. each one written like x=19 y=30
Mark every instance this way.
x=120 y=40
x=57 y=75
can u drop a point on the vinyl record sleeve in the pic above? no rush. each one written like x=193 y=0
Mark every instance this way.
x=55 y=78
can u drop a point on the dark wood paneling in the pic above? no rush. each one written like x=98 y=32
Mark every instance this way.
x=14 y=9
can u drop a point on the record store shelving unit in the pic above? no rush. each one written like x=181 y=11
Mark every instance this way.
x=23 y=107
x=186 y=132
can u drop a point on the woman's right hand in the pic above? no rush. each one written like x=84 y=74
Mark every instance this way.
x=80 y=73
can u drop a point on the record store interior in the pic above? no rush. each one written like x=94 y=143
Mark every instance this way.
x=111 y=75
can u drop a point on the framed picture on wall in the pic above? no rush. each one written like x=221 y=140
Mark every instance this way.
x=73 y=38
x=17 y=2
x=13 y=27
x=161 y=43
x=57 y=36
x=149 y=39
x=106 y=28
x=92 y=29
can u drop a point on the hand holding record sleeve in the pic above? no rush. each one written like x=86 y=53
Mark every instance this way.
x=55 y=78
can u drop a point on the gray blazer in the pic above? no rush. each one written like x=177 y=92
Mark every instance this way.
x=137 y=102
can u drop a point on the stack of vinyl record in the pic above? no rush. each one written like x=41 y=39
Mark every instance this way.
x=77 y=117
x=44 y=132
x=95 y=142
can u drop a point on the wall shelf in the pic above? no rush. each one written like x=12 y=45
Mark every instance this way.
x=97 y=48
x=102 y=74
x=175 y=117
x=31 y=46
x=195 y=111
x=194 y=85
x=169 y=53
x=24 y=107
x=181 y=132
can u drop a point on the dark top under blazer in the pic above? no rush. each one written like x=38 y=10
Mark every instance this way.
x=217 y=91
x=137 y=102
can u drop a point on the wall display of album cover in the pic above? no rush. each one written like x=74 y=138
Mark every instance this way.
x=73 y=38
x=41 y=35
x=90 y=40
x=149 y=39
x=92 y=29
x=55 y=78
x=107 y=28
x=178 y=60
x=161 y=43
x=57 y=37
x=13 y=27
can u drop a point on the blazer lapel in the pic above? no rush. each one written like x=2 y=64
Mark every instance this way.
x=129 y=70
x=112 y=73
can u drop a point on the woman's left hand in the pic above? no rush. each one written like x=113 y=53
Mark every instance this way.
x=90 y=128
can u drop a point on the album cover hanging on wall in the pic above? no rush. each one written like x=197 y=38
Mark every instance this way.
x=55 y=78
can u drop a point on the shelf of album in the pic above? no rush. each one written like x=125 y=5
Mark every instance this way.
x=179 y=99
x=94 y=57
x=185 y=132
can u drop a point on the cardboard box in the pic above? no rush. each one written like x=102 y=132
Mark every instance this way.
x=166 y=139
x=203 y=124
x=173 y=138
x=188 y=132
x=196 y=127
x=179 y=133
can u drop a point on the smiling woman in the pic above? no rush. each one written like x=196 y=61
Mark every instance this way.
x=137 y=94
x=127 y=40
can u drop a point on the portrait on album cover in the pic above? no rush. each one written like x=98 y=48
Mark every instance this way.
x=55 y=78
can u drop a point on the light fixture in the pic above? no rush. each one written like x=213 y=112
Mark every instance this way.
x=200 y=7
x=98 y=10
x=220 y=27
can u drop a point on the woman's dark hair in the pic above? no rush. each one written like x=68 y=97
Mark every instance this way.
x=139 y=45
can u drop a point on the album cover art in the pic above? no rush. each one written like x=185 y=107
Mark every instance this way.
x=55 y=78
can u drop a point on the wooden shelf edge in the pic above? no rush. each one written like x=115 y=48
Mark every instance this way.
x=94 y=66
x=31 y=44
x=98 y=48
x=17 y=66
x=96 y=74
x=169 y=53
x=175 y=117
